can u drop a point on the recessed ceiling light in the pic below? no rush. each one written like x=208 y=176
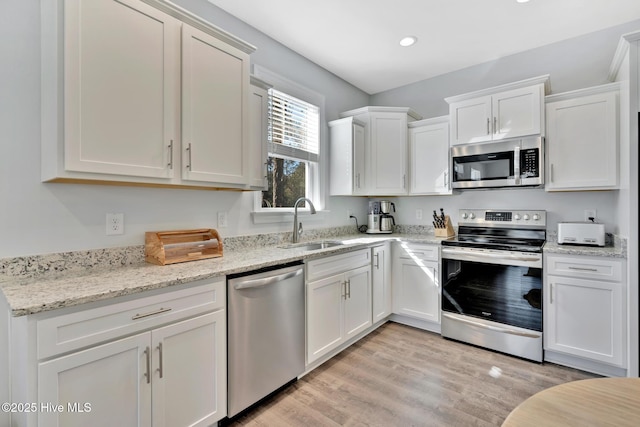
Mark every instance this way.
x=522 y=1
x=408 y=41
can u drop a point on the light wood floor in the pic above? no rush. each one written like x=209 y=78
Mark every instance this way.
x=402 y=376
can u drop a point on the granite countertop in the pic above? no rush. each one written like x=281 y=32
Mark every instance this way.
x=614 y=248
x=37 y=284
x=65 y=288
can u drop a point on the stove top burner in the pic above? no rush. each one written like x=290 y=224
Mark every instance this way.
x=500 y=230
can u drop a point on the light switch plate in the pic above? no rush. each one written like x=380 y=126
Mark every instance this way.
x=222 y=219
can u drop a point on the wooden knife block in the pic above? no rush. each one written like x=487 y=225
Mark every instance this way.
x=447 y=231
x=170 y=247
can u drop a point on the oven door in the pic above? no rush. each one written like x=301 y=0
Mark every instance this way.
x=493 y=299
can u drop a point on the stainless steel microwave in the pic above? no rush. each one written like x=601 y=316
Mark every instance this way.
x=508 y=163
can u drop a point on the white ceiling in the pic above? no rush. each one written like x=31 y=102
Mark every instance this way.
x=358 y=39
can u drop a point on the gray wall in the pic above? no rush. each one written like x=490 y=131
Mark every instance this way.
x=40 y=218
x=575 y=63
x=572 y=64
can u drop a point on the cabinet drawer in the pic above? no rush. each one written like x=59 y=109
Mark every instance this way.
x=583 y=267
x=417 y=251
x=68 y=332
x=336 y=264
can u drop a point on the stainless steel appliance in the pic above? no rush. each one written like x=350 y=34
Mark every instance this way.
x=379 y=218
x=492 y=281
x=581 y=233
x=508 y=163
x=265 y=333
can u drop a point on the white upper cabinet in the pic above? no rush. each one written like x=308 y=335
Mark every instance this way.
x=502 y=112
x=582 y=140
x=347 y=157
x=429 y=156
x=144 y=93
x=121 y=77
x=258 y=127
x=215 y=88
x=385 y=148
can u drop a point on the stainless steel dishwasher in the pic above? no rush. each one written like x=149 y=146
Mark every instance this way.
x=265 y=333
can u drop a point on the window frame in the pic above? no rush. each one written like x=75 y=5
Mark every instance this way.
x=314 y=185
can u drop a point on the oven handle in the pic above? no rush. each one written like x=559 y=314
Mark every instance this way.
x=492 y=328
x=504 y=256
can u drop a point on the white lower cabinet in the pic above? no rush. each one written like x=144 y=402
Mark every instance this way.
x=381 y=281
x=584 y=309
x=338 y=305
x=416 y=286
x=155 y=361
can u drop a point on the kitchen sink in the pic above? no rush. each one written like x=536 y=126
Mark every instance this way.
x=312 y=246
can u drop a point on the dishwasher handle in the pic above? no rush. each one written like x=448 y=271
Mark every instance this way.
x=265 y=281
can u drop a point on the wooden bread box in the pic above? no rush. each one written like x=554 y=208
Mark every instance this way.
x=170 y=247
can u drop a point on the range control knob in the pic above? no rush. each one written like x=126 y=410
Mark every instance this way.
x=472 y=215
x=526 y=217
x=536 y=217
x=464 y=215
x=517 y=217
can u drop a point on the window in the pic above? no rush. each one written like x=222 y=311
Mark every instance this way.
x=293 y=145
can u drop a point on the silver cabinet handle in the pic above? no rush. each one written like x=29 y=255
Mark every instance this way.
x=377 y=261
x=257 y=283
x=495 y=125
x=161 y=364
x=551 y=172
x=147 y=374
x=152 y=313
x=595 y=270
x=404 y=181
x=550 y=293
x=348 y=289
x=189 y=157
x=488 y=124
x=343 y=289
x=170 y=155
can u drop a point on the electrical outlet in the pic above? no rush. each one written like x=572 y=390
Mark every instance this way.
x=222 y=219
x=115 y=224
x=418 y=213
x=589 y=213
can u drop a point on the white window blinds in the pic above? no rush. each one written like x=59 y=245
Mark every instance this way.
x=294 y=127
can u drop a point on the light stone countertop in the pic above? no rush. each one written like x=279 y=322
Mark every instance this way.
x=42 y=283
x=54 y=290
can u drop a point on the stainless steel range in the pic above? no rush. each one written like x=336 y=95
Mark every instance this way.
x=492 y=281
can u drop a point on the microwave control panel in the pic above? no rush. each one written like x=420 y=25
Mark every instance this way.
x=529 y=163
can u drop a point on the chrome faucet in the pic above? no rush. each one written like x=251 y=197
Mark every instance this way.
x=297 y=227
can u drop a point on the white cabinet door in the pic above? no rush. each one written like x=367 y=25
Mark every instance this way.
x=471 y=120
x=582 y=143
x=258 y=122
x=429 y=158
x=215 y=101
x=584 y=318
x=121 y=78
x=111 y=378
x=507 y=114
x=347 y=161
x=189 y=372
x=518 y=112
x=381 y=282
x=325 y=315
x=359 y=177
x=357 y=303
x=416 y=290
x=388 y=154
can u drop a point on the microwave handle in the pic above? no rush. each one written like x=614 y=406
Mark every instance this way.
x=516 y=164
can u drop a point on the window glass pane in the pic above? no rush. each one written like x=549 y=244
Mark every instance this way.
x=287 y=183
